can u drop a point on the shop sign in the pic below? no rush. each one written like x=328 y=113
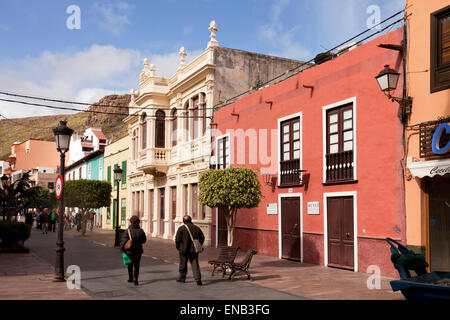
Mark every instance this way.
x=437 y=136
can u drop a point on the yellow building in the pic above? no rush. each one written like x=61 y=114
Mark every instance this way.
x=427 y=146
x=117 y=154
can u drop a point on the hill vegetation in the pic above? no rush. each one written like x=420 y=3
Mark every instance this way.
x=19 y=130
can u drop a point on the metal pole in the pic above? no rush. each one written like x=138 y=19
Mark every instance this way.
x=59 y=266
x=117 y=242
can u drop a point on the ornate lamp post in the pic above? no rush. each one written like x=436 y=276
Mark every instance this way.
x=62 y=134
x=4 y=180
x=118 y=178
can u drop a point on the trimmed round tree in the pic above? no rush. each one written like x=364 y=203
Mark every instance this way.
x=230 y=189
x=86 y=195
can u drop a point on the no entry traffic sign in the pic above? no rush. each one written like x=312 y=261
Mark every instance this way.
x=59 y=186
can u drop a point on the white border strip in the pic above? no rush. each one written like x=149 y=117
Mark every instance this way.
x=355 y=225
x=324 y=133
x=286 y=195
x=291 y=116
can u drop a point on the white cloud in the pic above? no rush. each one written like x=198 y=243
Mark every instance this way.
x=278 y=37
x=114 y=16
x=82 y=76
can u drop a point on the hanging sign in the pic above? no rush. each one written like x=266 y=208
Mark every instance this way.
x=59 y=186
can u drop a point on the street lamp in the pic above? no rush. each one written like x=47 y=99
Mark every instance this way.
x=4 y=180
x=118 y=178
x=62 y=134
x=387 y=80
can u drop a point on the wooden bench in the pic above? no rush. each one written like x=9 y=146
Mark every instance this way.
x=226 y=256
x=242 y=265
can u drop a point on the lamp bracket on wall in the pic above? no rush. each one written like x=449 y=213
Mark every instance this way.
x=269 y=102
x=269 y=179
x=233 y=113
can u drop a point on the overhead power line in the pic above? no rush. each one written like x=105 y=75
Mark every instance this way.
x=307 y=65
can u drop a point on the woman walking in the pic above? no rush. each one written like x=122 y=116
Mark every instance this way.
x=134 y=252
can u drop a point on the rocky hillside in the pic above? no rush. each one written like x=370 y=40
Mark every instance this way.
x=12 y=130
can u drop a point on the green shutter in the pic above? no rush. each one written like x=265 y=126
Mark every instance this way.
x=123 y=211
x=124 y=172
x=115 y=182
x=109 y=173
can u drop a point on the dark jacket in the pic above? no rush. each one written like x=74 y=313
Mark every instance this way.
x=44 y=217
x=183 y=241
x=138 y=237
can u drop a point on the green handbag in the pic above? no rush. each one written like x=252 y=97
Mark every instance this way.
x=126 y=259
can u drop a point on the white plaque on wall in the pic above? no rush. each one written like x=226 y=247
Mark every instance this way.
x=272 y=208
x=313 y=207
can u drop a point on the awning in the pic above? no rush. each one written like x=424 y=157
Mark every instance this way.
x=429 y=168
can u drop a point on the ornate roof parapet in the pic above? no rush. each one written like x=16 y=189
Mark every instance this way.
x=213 y=29
x=145 y=73
x=183 y=55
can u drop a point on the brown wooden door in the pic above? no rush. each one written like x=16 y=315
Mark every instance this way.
x=439 y=223
x=161 y=211
x=222 y=231
x=340 y=232
x=174 y=207
x=290 y=228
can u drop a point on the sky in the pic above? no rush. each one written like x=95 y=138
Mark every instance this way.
x=40 y=55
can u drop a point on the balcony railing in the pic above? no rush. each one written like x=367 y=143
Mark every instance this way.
x=154 y=160
x=290 y=173
x=339 y=166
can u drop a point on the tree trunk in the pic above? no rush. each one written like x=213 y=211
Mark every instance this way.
x=230 y=217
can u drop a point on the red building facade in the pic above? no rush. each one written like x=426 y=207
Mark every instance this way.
x=327 y=146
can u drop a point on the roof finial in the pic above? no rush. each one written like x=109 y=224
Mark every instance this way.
x=183 y=55
x=213 y=29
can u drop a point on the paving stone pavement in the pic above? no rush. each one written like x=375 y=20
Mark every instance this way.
x=29 y=276
x=103 y=275
x=298 y=279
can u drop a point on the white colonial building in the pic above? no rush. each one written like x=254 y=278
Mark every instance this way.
x=170 y=131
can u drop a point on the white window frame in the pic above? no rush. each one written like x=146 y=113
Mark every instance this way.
x=355 y=225
x=287 y=195
x=324 y=134
x=217 y=149
x=280 y=120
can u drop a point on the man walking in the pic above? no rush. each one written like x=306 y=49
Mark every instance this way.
x=44 y=221
x=52 y=220
x=37 y=217
x=186 y=249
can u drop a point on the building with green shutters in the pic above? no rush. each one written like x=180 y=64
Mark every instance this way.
x=116 y=154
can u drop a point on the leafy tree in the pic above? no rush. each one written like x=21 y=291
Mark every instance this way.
x=44 y=199
x=86 y=195
x=19 y=195
x=230 y=189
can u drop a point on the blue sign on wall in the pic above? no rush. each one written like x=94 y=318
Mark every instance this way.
x=440 y=130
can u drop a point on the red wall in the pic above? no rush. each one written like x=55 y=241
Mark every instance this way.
x=379 y=150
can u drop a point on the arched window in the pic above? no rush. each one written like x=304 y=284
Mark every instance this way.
x=203 y=111
x=135 y=144
x=186 y=121
x=195 y=118
x=174 y=128
x=143 y=131
x=160 y=129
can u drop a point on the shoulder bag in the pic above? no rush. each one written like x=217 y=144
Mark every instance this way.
x=197 y=245
x=129 y=243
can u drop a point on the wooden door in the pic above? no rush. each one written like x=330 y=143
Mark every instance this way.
x=290 y=228
x=439 y=223
x=340 y=232
x=174 y=207
x=161 y=211
x=222 y=231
